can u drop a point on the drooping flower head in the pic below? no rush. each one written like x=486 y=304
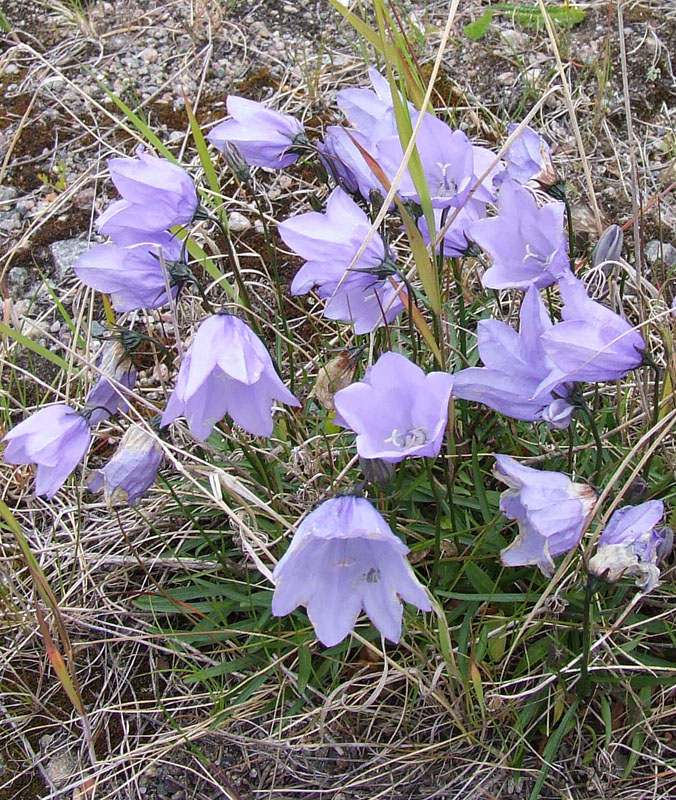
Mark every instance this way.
x=527 y=244
x=345 y=163
x=156 y=194
x=344 y=558
x=396 y=410
x=132 y=469
x=133 y=275
x=593 y=343
x=56 y=438
x=105 y=398
x=226 y=370
x=529 y=158
x=360 y=295
x=264 y=137
x=550 y=510
x=515 y=366
x=630 y=545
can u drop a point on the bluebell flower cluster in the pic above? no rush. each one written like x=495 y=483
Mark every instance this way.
x=344 y=558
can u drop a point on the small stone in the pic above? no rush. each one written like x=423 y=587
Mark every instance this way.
x=84 y=200
x=7 y=193
x=533 y=75
x=505 y=78
x=149 y=55
x=515 y=39
x=238 y=223
x=260 y=29
x=657 y=252
x=11 y=69
x=290 y=9
x=65 y=253
x=10 y=224
x=17 y=276
x=55 y=327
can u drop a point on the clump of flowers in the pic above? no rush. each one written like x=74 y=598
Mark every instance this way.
x=410 y=366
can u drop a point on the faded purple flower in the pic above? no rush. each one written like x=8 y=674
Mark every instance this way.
x=133 y=275
x=529 y=158
x=550 y=510
x=515 y=366
x=116 y=372
x=226 y=370
x=396 y=410
x=593 y=343
x=132 y=469
x=362 y=295
x=56 y=438
x=344 y=558
x=264 y=137
x=630 y=545
x=156 y=195
x=527 y=244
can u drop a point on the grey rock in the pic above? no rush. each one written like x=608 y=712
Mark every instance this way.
x=17 y=276
x=7 y=193
x=65 y=253
x=660 y=252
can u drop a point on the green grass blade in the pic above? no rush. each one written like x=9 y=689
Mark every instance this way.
x=35 y=347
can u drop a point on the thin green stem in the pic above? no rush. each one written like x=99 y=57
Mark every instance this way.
x=437 y=523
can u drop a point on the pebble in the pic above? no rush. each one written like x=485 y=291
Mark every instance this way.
x=238 y=222
x=7 y=193
x=149 y=55
x=515 y=39
x=65 y=253
x=17 y=276
x=657 y=252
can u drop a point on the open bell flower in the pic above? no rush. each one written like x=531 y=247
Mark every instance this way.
x=631 y=545
x=156 y=194
x=329 y=242
x=593 y=343
x=226 y=370
x=56 y=438
x=105 y=397
x=264 y=137
x=515 y=367
x=344 y=558
x=550 y=510
x=527 y=244
x=132 y=469
x=396 y=410
x=132 y=275
x=447 y=157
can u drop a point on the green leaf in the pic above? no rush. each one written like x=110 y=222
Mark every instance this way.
x=552 y=747
x=304 y=667
x=477 y=29
x=531 y=16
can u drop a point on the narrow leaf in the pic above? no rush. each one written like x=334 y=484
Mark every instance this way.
x=477 y=29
